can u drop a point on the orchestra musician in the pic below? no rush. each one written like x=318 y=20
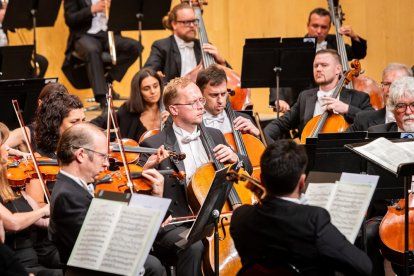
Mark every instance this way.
x=283 y=228
x=22 y=217
x=319 y=24
x=88 y=37
x=143 y=110
x=39 y=60
x=179 y=53
x=16 y=142
x=327 y=69
x=212 y=82
x=185 y=103
x=83 y=153
x=365 y=119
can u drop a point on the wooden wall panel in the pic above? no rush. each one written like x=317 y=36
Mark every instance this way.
x=386 y=24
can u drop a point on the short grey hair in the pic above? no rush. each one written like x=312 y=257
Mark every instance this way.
x=396 y=67
x=403 y=87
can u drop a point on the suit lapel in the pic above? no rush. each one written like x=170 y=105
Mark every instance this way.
x=345 y=96
x=197 y=51
x=88 y=2
x=171 y=143
x=310 y=106
x=176 y=53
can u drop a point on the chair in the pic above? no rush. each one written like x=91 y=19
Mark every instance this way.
x=268 y=266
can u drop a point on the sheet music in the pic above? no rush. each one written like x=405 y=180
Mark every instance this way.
x=387 y=153
x=348 y=207
x=117 y=238
x=319 y=194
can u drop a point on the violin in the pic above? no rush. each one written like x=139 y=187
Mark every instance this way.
x=392 y=233
x=251 y=183
x=116 y=181
x=328 y=122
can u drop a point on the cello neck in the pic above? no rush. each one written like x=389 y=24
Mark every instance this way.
x=241 y=148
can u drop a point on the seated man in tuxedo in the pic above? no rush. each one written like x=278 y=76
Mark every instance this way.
x=88 y=37
x=327 y=69
x=288 y=230
x=401 y=102
x=82 y=155
x=319 y=24
x=365 y=119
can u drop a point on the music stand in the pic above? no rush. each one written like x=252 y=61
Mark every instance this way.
x=270 y=62
x=31 y=14
x=405 y=171
x=26 y=93
x=131 y=15
x=209 y=214
x=13 y=61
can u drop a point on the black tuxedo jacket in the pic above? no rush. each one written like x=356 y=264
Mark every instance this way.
x=302 y=111
x=365 y=119
x=173 y=188
x=356 y=50
x=165 y=57
x=388 y=127
x=300 y=234
x=68 y=207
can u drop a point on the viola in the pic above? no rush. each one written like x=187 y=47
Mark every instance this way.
x=116 y=181
x=392 y=234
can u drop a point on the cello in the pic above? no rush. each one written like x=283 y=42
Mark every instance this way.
x=362 y=82
x=239 y=97
x=245 y=144
x=328 y=122
x=229 y=261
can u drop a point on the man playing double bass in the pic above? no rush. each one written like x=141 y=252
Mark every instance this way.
x=185 y=103
x=327 y=69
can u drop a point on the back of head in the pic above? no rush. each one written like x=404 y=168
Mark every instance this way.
x=77 y=136
x=51 y=88
x=402 y=87
x=282 y=164
x=212 y=75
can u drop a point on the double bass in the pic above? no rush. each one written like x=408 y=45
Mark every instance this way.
x=239 y=97
x=362 y=82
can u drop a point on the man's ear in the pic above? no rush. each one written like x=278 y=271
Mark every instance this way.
x=301 y=183
x=173 y=110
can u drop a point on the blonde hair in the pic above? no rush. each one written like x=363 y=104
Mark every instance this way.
x=6 y=192
x=172 y=15
x=171 y=90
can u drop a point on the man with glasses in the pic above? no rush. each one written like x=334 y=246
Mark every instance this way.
x=185 y=103
x=366 y=119
x=401 y=103
x=82 y=154
x=179 y=53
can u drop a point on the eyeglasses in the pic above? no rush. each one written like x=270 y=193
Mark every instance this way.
x=104 y=156
x=385 y=84
x=194 y=105
x=188 y=22
x=402 y=107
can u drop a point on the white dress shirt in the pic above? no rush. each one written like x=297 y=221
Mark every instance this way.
x=188 y=59
x=318 y=105
x=220 y=121
x=99 y=22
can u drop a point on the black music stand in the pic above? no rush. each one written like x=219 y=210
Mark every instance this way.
x=131 y=15
x=26 y=93
x=15 y=62
x=209 y=214
x=404 y=172
x=270 y=62
x=31 y=14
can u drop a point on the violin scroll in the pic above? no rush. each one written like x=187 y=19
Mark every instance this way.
x=251 y=183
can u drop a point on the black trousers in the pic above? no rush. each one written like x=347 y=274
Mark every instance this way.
x=187 y=261
x=90 y=48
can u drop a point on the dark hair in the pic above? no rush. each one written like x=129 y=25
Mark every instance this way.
x=212 y=75
x=282 y=164
x=320 y=12
x=172 y=14
x=49 y=116
x=136 y=103
x=332 y=52
x=52 y=87
x=77 y=136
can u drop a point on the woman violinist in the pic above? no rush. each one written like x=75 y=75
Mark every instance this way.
x=21 y=217
x=143 y=111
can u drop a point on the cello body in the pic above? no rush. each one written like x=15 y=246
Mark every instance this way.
x=392 y=232
x=333 y=124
